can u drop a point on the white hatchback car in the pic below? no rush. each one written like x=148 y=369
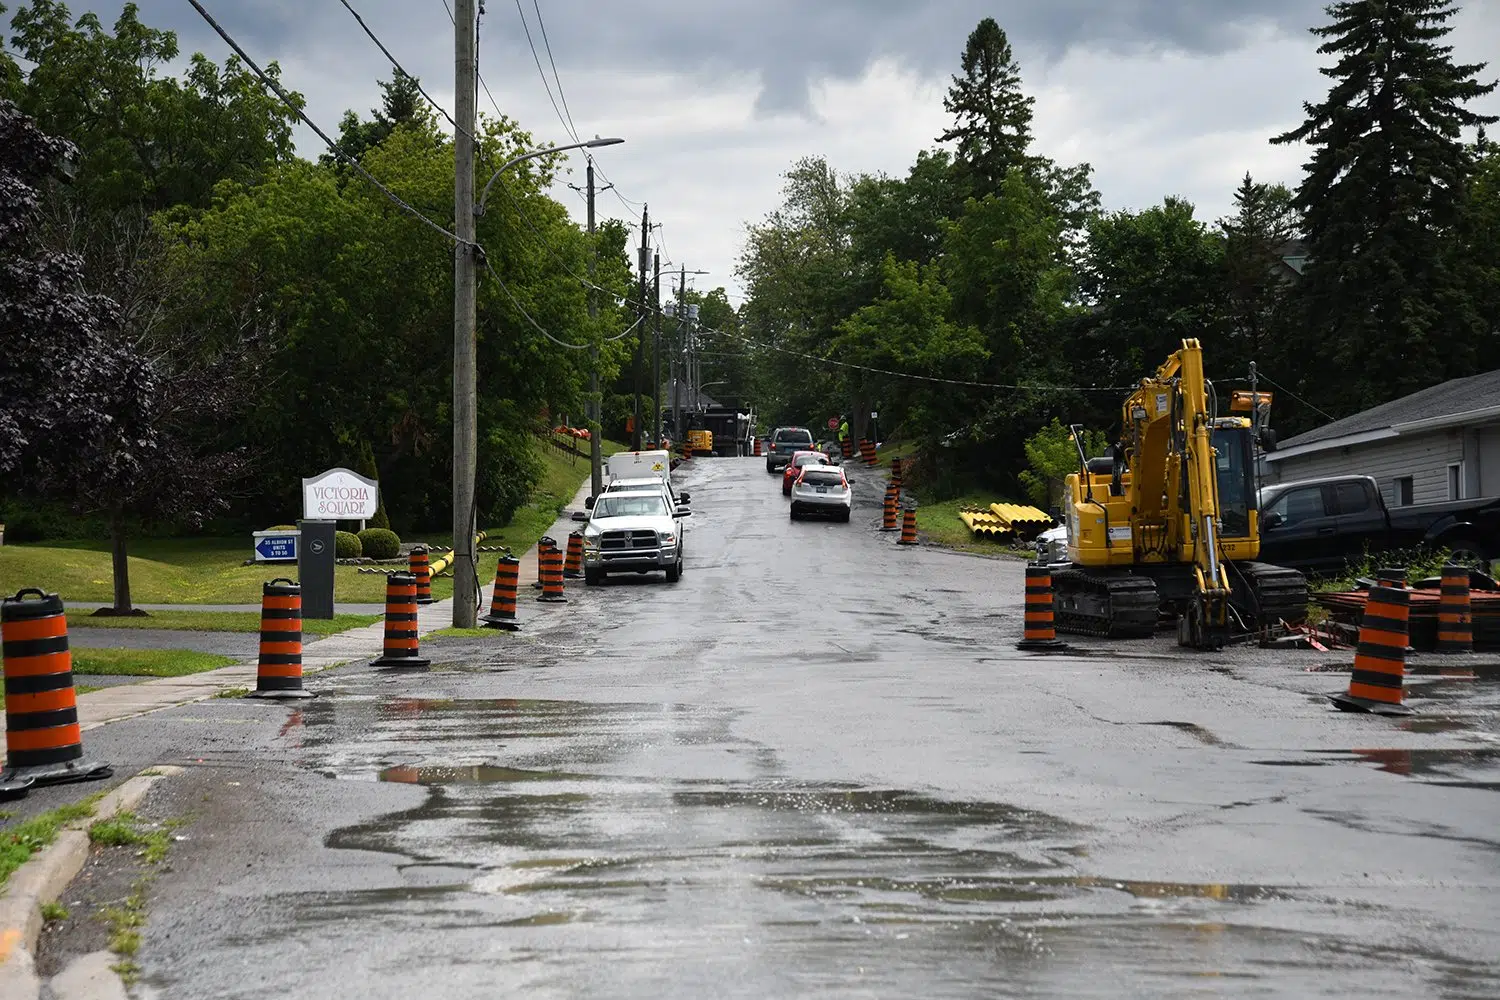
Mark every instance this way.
x=822 y=489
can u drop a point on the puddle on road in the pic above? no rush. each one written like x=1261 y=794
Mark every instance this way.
x=613 y=841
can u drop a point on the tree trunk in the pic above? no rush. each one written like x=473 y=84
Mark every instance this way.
x=121 y=564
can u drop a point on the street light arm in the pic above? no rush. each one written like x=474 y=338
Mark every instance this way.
x=589 y=144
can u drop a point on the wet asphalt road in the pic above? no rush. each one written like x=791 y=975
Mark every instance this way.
x=817 y=767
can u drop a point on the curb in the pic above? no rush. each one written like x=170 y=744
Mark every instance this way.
x=45 y=876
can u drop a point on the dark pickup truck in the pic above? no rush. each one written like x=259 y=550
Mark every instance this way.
x=1321 y=525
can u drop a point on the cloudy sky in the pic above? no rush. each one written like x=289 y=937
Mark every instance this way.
x=717 y=98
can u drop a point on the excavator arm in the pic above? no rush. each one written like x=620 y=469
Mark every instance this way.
x=1207 y=623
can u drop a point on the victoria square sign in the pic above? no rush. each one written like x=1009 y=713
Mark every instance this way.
x=339 y=495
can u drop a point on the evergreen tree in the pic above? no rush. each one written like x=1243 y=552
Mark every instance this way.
x=991 y=114
x=1257 y=282
x=1382 y=195
x=401 y=104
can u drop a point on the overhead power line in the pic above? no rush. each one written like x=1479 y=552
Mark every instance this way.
x=268 y=82
x=542 y=330
x=555 y=78
x=565 y=120
x=400 y=69
x=926 y=378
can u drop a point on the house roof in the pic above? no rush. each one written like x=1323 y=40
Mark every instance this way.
x=1457 y=402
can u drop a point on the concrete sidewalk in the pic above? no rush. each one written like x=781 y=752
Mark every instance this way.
x=125 y=701
x=341 y=609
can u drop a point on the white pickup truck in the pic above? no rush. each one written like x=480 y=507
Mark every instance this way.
x=633 y=532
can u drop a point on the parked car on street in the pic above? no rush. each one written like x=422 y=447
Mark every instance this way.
x=784 y=442
x=823 y=490
x=1052 y=545
x=794 y=467
x=1322 y=525
x=633 y=532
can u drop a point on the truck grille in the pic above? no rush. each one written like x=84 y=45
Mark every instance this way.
x=618 y=541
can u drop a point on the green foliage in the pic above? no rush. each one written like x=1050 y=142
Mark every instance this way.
x=1052 y=454
x=346 y=545
x=380 y=543
x=1385 y=292
x=19 y=841
x=1420 y=563
x=52 y=911
x=366 y=467
x=282 y=527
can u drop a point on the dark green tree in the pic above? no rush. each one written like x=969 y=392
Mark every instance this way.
x=991 y=114
x=1383 y=303
x=401 y=104
x=1258 y=283
x=1153 y=279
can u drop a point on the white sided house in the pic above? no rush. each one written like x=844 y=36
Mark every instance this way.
x=1442 y=443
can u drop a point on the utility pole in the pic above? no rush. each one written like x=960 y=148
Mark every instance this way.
x=681 y=345
x=596 y=401
x=465 y=432
x=656 y=357
x=640 y=333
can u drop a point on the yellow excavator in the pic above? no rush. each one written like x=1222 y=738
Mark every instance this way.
x=1166 y=525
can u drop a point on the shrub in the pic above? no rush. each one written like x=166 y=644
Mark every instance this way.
x=380 y=543
x=347 y=545
x=282 y=527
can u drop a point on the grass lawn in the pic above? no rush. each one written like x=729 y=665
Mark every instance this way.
x=145 y=662
x=19 y=841
x=216 y=621
x=464 y=633
x=171 y=571
x=210 y=570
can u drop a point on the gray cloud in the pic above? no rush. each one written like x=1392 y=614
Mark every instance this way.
x=786 y=44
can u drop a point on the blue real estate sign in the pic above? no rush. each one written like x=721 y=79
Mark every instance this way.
x=276 y=546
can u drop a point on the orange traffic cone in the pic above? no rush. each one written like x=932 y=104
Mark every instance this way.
x=550 y=567
x=896 y=473
x=1455 y=619
x=43 y=744
x=401 y=647
x=503 y=601
x=1040 y=630
x=1378 y=682
x=279 y=672
x=908 y=527
x=574 y=566
x=891 y=512
x=421 y=568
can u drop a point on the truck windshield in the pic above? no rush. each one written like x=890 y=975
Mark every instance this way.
x=620 y=505
x=1236 y=474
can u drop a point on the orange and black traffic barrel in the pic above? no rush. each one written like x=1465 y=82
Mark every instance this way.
x=1455 y=616
x=574 y=566
x=43 y=742
x=420 y=566
x=401 y=648
x=1378 y=683
x=1391 y=577
x=278 y=674
x=908 y=527
x=891 y=512
x=503 y=600
x=896 y=473
x=1040 y=635
x=550 y=567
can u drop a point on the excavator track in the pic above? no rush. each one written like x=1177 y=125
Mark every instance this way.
x=1113 y=605
x=1265 y=594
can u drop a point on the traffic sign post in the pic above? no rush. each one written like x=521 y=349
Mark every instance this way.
x=315 y=568
x=276 y=546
